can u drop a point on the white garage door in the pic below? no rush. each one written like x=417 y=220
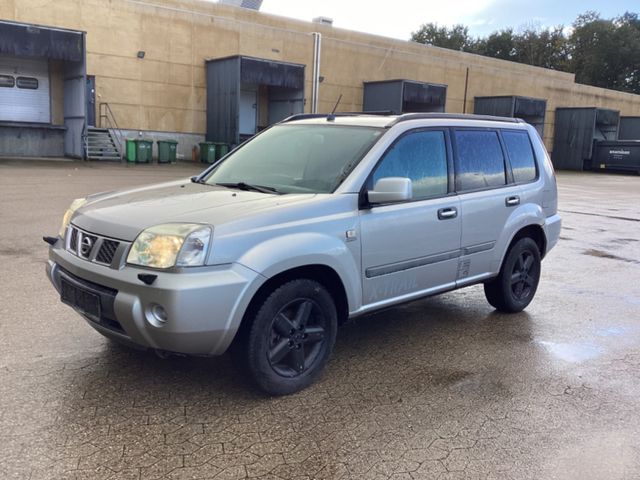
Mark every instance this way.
x=24 y=90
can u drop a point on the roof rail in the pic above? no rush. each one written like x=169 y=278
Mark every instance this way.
x=453 y=116
x=307 y=116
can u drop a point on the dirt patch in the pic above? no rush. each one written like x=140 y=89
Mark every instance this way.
x=602 y=254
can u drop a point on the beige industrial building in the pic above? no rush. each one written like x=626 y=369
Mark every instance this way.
x=154 y=68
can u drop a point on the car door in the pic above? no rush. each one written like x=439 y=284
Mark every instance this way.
x=411 y=248
x=488 y=197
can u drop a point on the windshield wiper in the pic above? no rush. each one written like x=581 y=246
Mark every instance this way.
x=250 y=187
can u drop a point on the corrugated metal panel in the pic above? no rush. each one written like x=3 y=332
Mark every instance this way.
x=223 y=100
x=75 y=108
x=576 y=129
x=383 y=97
x=276 y=74
x=629 y=128
x=497 y=106
x=23 y=40
x=531 y=110
x=404 y=96
x=529 y=107
x=224 y=79
x=423 y=97
x=25 y=104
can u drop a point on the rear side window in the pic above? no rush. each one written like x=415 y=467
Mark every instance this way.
x=420 y=156
x=479 y=162
x=521 y=156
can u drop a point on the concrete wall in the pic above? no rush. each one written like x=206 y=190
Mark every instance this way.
x=31 y=140
x=165 y=91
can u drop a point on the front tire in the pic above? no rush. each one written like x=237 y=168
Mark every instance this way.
x=514 y=288
x=291 y=337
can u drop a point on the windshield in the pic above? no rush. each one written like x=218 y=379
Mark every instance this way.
x=297 y=158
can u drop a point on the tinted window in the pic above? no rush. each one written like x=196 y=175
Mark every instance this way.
x=29 y=83
x=520 y=155
x=7 y=81
x=479 y=163
x=420 y=156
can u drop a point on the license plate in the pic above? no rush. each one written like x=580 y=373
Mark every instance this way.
x=80 y=299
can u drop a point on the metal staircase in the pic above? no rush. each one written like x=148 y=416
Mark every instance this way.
x=100 y=145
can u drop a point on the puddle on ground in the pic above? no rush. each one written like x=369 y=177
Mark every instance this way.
x=612 y=331
x=572 y=352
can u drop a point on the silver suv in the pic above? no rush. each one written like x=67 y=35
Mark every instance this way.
x=318 y=219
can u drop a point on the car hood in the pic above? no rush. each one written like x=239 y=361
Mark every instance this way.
x=124 y=214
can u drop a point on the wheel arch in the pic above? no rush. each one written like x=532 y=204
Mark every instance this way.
x=323 y=274
x=533 y=231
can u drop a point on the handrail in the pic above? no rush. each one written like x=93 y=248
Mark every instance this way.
x=106 y=113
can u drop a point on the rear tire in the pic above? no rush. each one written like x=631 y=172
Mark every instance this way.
x=291 y=337
x=514 y=288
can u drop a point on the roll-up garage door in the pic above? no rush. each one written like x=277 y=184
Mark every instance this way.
x=24 y=90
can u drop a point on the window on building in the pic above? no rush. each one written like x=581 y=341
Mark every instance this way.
x=7 y=81
x=521 y=155
x=420 y=156
x=28 y=83
x=479 y=162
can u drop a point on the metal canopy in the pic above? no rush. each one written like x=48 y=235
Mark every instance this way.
x=531 y=110
x=22 y=40
x=576 y=130
x=225 y=78
x=404 y=96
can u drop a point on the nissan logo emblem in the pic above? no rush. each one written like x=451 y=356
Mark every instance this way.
x=85 y=246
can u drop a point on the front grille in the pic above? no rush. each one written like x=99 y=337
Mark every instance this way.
x=95 y=248
x=107 y=251
x=73 y=243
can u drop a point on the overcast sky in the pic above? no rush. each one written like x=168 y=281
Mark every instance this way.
x=398 y=18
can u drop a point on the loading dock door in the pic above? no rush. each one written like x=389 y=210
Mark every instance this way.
x=24 y=90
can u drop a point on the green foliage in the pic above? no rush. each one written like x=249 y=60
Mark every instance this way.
x=601 y=52
x=454 y=38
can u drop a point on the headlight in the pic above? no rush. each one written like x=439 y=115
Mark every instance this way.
x=75 y=205
x=172 y=244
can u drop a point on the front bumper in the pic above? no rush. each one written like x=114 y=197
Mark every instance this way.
x=204 y=306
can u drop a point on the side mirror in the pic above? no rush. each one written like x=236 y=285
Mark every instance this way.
x=391 y=190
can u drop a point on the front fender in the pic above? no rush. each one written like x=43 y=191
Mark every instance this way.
x=280 y=254
x=524 y=216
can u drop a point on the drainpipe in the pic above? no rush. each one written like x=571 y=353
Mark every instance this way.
x=315 y=80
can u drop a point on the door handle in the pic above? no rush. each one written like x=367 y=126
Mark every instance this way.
x=512 y=201
x=447 y=213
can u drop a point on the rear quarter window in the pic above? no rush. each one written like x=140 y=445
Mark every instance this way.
x=521 y=156
x=479 y=160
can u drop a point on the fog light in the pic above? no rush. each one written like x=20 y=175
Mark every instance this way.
x=156 y=315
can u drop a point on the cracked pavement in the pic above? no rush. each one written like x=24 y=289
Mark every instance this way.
x=442 y=388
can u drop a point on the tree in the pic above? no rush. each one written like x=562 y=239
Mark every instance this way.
x=500 y=44
x=454 y=38
x=546 y=48
x=601 y=52
x=606 y=53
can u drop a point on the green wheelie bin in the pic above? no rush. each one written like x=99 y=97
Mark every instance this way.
x=207 y=152
x=221 y=149
x=144 y=150
x=167 y=151
x=131 y=149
